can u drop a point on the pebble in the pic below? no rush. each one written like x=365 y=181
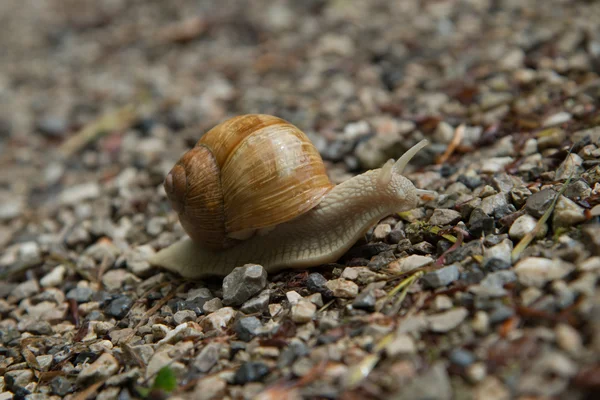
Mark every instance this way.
x=591 y=237
x=105 y=366
x=462 y=358
x=476 y=372
x=538 y=203
x=247 y=328
x=498 y=255
x=212 y=305
x=441 y=277
x=525 y=224
x=207 y=358
x=381 y=231
x=304 y=311
x=557 y=119
x=251 y=371
x=137 y=260
x=441 y=302
x=537 y=271
x=257 y=304
x=54 y=277
x=567 y=213
x=115 y=279
x=243 y=283
x=25 y=290
x=480 y=222
x=119 y=307
x=569 y=339
x=343 y=288
x=316 y=282
x=491 y=204
x=570 y=168
x=433 y=384
x=79 y=193
x=52 y=126
x=481 y=322
x=409 y=263
x=80 y=294
x=365 y=300
x=219 y=319
x=184 y=316
x=11 y=208
x=61 y=386
x=501 y=313
x=448 y=320
x=402 y=344
x=444 y=216
x=210 y=388
x=293 y=297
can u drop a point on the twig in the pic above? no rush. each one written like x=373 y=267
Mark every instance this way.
x=456 y=139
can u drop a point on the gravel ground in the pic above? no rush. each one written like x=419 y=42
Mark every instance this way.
x=489 y=291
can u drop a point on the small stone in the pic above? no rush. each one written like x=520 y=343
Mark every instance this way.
x=462 y=358
x=519 y=195
x=501 y=313
x=247 y=328
x=409 y=263
x=552 y=137
x=251 y=371
x=524 y=225
x=476 y=372
x=36 y=327
x=557 y=119
x=381 y=231
x=25 y=290
x=480 y=222
x=18 y=377
x=444 y=216
x=316 y=299
x=105 y=366
x=481 y=322
x=567 y=213
x=441 y=302
x=499 y=255
x=119 y=307
x=441 y=277
x=212 y=305
x=304 y=311
x=243 y=283
x=137 y=260
x=537 y=271
x=54 y=277
x=80 y=294
x=116 y=278
x=538 y=203
x=219 y=319
x=497 y=280
x=210 y=388
x=569 y=339
x=257 y=304
x=402 y=344
x=207 y=358
x=61 y=386
x=446 y=321
x=316 y=282
x=52 y=126
x=79 y=193
x=293 y=297
x=184 y=316
x=275 y=309
x=591 y=237
x=366 y=300
x=343 y=288
x=491 y=204
x=432 y=384
x=570 y=168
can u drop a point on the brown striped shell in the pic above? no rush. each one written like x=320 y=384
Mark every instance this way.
x=243 y=177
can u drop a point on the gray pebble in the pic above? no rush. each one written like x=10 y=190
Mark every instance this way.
x=251 y=371
x=80 y=294
x=538 y=203
x=444 y=216
x=207 y=358
x=247 y=328
x=316 y=282
x=441 y=277
x=501 y=313
x=365 y=300
x=119 y=307
x=462 y=358
x=243 y=283
x=257 y=304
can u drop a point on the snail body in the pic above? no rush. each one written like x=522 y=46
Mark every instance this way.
x=301 y=219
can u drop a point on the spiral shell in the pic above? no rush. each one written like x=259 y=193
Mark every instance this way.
x=243 y=177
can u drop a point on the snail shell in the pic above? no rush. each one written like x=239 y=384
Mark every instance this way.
x=243 y=177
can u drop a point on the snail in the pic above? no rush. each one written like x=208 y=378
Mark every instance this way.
x=254 y=190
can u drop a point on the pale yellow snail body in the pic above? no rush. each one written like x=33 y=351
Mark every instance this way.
x=254 y=190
